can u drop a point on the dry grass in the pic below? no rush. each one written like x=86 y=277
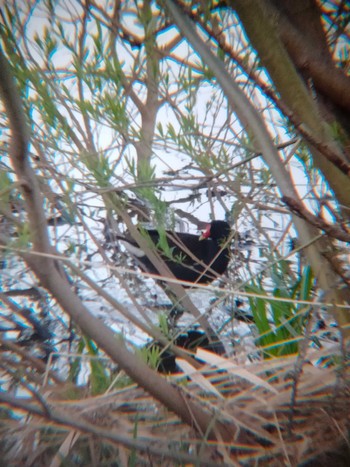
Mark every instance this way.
x=284 y=412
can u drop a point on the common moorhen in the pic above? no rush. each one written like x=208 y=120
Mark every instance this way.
x=192 y=258
x=189 y=339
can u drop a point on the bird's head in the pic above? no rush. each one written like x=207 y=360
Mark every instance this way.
x=216 y=230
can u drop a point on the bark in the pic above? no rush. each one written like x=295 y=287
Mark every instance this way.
x=255 y=127
x=302 y=33
x=39 y=259
x=261 y=24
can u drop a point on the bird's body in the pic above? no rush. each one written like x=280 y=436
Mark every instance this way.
x=190 y=339
x=191 y=258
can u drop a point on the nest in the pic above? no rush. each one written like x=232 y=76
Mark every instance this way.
x=282 y=411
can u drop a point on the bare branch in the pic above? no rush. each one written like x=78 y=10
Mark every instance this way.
x=19 y=157
x=61 y=417
x=332 y=230
x=51 y=278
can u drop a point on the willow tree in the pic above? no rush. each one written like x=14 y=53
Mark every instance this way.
x=170 y=114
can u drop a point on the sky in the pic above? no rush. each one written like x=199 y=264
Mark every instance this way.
x=224 y=138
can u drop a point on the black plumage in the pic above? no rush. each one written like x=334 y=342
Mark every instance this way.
x=191 y=340
x=192 y=258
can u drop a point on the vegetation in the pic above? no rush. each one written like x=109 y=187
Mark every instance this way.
x=170 y=114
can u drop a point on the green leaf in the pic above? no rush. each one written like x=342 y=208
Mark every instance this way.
x=99 y=377
x=75 y=363
x=259 y=311
x=6 y=186
x=306 y=284
x=24 y=236
x=282 y=313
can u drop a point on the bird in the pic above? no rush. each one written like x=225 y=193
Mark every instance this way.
x=191 y=258
x=189 y=339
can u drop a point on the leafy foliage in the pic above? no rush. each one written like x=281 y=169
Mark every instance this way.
x=282 y=324
x=129 y=124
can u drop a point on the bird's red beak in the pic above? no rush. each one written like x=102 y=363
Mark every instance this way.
x=206 y=233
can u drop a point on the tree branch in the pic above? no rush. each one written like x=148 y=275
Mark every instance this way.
x=254 y=125
x=332 y=230
x=260 y=25
x=327 y=78
x=73 y=421
x=48 y=273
